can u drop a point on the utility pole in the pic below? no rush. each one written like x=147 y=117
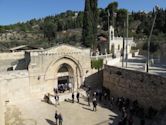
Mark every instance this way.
x=123 y=49
x=113 y=23
x=151 y=31
x=127 y=25
x=108 y=19
x=114 y=18
x=108 y=28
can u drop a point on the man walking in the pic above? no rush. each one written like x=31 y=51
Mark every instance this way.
x=56 y=118
x=60 y=119
x=73 y=97
x=88 y=99
x=57 y=99
x=78 y=96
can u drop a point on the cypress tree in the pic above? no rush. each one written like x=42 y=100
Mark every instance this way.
x=90 y=21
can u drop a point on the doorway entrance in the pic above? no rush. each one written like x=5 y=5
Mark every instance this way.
x=65 y=77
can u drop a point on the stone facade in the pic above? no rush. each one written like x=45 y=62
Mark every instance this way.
x=14 y=86
x=44 y=66
x=41 y=71
x=148 y=89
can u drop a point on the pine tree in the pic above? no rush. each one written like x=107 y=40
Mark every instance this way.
x=89 y=33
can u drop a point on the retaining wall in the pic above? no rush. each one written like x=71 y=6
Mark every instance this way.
x=148 y=89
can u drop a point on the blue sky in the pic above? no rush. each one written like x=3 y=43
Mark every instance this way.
x=12 y=11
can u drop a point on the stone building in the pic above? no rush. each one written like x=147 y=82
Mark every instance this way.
x=61 y=64
x=26 y=74
x=37 y=72
x=117 y=44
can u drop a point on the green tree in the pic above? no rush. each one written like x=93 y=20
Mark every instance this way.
x=90 y=21
x=97 y=64
x=49 y=30
x=154 y=46
x=121 y=21
x=112 y=8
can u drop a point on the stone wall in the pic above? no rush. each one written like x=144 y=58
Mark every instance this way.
x=11 y=55
x=163 y=53
x=148 y=89
x=94 y=78
x=14 y=86
x=9 y=60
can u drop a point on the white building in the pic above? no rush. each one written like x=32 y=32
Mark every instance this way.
x=116 y=44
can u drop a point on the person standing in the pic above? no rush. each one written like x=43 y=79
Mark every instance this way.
x=120 y=122
x=94 y=104
x=112 y=101
x=130 y=120
x=100 y=96
x=70 y=87
x=46 y=98
x=105 y=96
x=56 y=117
x=88 y=99
x=57 y=99
x=72 y=97
x=94 y=94
x=60 y=119
x=78 y=97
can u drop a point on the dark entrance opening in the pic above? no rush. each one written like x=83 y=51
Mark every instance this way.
x=63 y=83
x=65 y=75
x=63 y=80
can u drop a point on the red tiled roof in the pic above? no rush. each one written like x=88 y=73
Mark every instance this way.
x=102 y=39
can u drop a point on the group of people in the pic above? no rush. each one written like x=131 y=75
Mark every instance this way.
x=77 y=97
x=58 y=117
x=128 y=109
x=94 y=100
x=64 y=87
x=52 y=99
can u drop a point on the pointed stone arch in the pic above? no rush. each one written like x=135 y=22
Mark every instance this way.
x=52 y=70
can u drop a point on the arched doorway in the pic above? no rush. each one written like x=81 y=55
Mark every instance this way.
x=65 y=77
x=65 y=69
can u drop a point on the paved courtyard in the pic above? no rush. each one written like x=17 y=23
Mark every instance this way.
x=36 y=112
x=138 y=63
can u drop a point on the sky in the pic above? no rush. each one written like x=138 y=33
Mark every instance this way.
x=13 y=11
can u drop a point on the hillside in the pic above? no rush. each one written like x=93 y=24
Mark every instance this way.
x=66 y=27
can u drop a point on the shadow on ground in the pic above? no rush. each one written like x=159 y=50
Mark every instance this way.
x=50 y=122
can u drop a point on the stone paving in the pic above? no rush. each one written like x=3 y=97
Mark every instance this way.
x=138 y=63
x=37 y=112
